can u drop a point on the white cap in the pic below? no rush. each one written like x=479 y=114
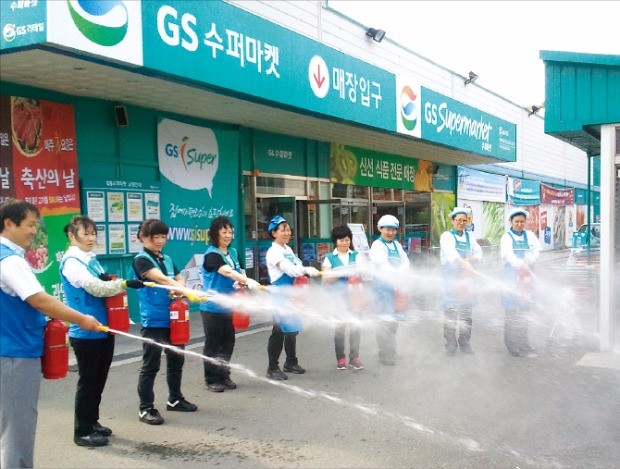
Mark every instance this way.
x=458 y=211
x=517 y=211
x=388 y=221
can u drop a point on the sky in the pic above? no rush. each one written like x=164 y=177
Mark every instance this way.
x=498 y=40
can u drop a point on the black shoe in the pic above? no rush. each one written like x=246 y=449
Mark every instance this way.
x=98 y=428
x=150 y=416
x=216 y=387
x=181 y=406
x=387 y=361
x=296 y=369
x=467 y=350
x=276 y=373
x=514 y=353
x=94 y=439
x=229 y=383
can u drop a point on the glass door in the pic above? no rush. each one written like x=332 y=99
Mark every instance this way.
x=314 y=223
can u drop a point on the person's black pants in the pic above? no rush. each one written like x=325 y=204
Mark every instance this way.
x=94 y=357
x=219 y=343
x=515 y=331
x=279 y=340
x=457 y=318
x=151 y=361
x=386 y=339
x=354 y=341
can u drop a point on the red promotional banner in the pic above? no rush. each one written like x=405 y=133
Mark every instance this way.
x=554 y=196
x=39 y=155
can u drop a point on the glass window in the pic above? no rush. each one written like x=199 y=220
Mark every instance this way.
x=280 y=186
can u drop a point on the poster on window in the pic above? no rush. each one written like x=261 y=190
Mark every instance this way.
x=38 y=151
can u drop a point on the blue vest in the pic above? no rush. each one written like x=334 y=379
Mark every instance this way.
x=21 y=327
x=286 y=279
x=520 y=247
x=510 y=300
x=84 y=302
x=393 y=254
x=335 y=261
x=452 y=281
x=218 y=282
x=154 y=302
x=464 y=250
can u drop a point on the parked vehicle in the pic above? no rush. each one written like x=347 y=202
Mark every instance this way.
x=582 y=239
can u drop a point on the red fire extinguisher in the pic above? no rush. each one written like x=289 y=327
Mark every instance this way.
x=118 y=310
x=179 y=322
x=401 y=301
x=301 y=281
x=356 y=294
x=240 y=319
x=55 y=361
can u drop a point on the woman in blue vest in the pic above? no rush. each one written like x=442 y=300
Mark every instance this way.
x=153 y=265
x=519 y=249
x=389 y=259
x=85 y=285
x=343 y=256
x=459 y=251
x=283 y=266
x=221 y=269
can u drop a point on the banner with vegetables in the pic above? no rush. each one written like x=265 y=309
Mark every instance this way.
x=39 y=165
x=493 y=216
x=442 y=204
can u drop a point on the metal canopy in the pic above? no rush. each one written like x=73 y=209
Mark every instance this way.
x=582 y=92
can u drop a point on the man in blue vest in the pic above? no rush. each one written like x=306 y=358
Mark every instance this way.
x=23 y=303
x=519 y=249
x=459 y=252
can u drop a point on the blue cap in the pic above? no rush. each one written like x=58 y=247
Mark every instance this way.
x=275 y=221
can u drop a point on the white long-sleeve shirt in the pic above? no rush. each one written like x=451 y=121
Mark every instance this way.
x=507 y=252
x=379 y=255
x=448 y=252
x=79 y=276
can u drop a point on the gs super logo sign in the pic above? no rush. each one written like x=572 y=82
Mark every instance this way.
x=188 y=155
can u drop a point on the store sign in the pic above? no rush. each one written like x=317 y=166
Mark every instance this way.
x=279 y=154
x=477 y=185
x=457 y=125
x=23 y=23
x=38 y=152
x=554 y=196
x=523 y=192
x=218 y=44
x=360 y=167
